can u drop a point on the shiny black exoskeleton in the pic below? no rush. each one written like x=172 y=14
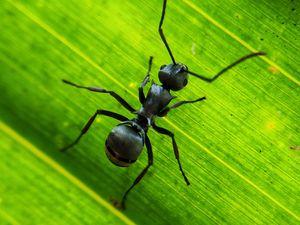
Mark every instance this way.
x=125 y=142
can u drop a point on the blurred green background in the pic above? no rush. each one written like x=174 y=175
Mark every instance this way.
x=235 y=146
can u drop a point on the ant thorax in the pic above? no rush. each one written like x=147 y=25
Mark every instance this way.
x=157 y=99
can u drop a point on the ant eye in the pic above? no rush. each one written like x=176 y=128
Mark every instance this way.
x=163 y=66
x=181 y=70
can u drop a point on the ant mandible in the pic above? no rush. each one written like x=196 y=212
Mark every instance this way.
x=125 y=142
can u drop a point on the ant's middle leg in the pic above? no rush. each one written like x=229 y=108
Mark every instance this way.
x=165 y=111
x=122 y=101
x=145 y=81
x=90 y=122
x=175 y=148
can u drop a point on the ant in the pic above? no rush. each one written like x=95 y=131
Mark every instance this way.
x=125 y=142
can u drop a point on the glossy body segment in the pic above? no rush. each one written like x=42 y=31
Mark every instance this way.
x=157 y=99
x=116 y=141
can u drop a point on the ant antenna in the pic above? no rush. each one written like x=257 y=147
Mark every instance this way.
x=160 y=30
x=226 y=68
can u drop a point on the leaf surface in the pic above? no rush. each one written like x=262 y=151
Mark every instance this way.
x=234 y=147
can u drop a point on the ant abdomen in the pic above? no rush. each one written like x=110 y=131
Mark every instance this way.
x=123 y=145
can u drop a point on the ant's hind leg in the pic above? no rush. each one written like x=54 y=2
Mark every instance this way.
x=90 y=122
x=145 y=81
x=175 y=148
x=121 y=204
x=122 y=101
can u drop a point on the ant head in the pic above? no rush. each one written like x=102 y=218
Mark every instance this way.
x=173 y=76
x=124 y=144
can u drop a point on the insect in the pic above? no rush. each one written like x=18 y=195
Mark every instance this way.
x=125 y=142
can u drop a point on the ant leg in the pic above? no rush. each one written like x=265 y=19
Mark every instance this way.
x=145 y=81
x=141 y=175
x=175 y=148
x=228 y=67
x=165 y=111
x=89 y=123
x=161 y=33
x=101 y=90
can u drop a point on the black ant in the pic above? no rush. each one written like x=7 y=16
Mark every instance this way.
x=125 y=142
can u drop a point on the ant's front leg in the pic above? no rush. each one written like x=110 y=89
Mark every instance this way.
x=165 y=111
x=145 y=81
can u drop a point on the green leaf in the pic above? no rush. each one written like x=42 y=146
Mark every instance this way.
x=235 y=147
